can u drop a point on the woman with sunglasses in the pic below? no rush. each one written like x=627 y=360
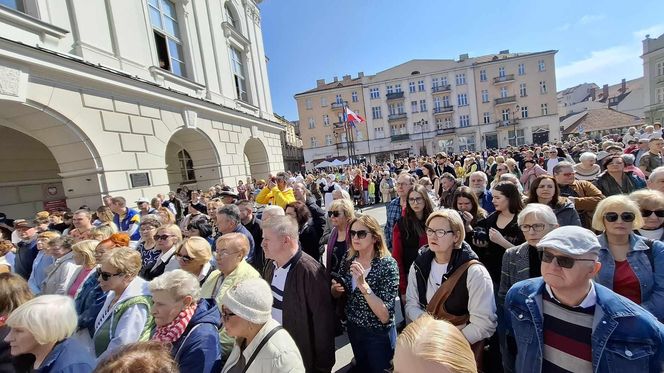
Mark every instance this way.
x=632 y=266
x=614 y=180
x=193 y=255
x=370 y=281
x=546 y=191
x=261 y=344
x=467 y=300
x=167 y=238
x=409 y=233
x=340 y=213
x=125 y=316
x=186 y=321
x=651 y=203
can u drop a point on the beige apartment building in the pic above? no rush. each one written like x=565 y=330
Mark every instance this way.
x=653 y=72
x=321 y=119
x=422 y=107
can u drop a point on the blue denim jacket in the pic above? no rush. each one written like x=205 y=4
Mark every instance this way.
x=625 y=338
x=652 y=284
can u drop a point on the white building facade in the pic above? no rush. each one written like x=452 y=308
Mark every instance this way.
x=653 y=73
x=130 y=98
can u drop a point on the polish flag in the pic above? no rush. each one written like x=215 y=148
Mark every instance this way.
x=352 y=117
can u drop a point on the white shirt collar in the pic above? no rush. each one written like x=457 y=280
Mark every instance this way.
x=588 y=301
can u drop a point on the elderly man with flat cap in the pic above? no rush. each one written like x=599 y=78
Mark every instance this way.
x=565 y=322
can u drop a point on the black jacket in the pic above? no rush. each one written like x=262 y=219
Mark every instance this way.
x=254 y=227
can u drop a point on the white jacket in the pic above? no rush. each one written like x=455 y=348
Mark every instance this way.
x=278 y=355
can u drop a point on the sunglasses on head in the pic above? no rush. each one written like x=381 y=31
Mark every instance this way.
x=646 y=213
x=361 y=234
x=562 y=261
x=161 y=237
x=105 y=275
x=627 y=217
x=336 y=214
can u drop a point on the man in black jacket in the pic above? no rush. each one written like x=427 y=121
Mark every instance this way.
x=253 y=225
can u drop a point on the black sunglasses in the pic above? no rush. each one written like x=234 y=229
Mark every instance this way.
x=185 y=258
x=360 y=234
x=158 y=237
x=336 y=214
x=563 y=261
x=105 y=275
x=646 y=213
x=627 y=217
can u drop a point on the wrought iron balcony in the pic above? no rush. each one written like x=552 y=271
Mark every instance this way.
x=342 y=145
x=441 y=88
x=443 y=109
x=505 y=100
x=507 y=123
x=446 y=131
x=401 y=137
x=395 y=117
x=339 y=105
x=394 y=96
x=503 y=79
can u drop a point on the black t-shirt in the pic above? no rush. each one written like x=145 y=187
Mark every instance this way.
x=339 y=252
x=534 y=262
x=492 y=255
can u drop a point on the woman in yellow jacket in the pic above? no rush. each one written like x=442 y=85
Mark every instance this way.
x=276 y=192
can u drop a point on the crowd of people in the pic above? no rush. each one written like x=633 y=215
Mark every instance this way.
x=524 y=259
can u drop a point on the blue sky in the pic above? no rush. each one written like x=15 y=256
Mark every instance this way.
x=306 y=40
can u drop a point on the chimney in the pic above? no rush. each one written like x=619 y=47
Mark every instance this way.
x=335 y=79
x=346 y=78
x=605 y=92
x=463 y=57
x=593 y=93
x=360 y=74
x=623 y=86
x=320 y=83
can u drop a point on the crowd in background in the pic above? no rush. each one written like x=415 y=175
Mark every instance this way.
x=529 y=258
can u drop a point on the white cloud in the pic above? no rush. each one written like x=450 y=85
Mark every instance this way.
x=599 y=60
x=590 y=18
x=654 y=32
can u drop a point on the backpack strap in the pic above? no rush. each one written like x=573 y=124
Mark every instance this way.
x=260 y=347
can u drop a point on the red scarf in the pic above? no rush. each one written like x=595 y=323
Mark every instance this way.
x=173 y=330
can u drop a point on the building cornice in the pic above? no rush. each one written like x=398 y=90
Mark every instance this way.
x=31 y=23
x=75 y=67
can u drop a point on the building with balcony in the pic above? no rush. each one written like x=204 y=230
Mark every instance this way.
x=471 y=103
x=292 y=151
x=130 y=98
x=653 y=73
x=321 y=111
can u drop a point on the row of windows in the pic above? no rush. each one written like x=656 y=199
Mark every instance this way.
x=308 y=103
x=521 y=70
x=660 y=68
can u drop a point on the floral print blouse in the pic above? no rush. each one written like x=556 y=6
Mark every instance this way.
x=383 y=279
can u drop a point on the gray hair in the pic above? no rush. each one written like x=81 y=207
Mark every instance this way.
x=561 y=164
x=628 y=159
x=344 y=194
x=659 y=171
x=542 y=213
x=271 y=211
x=178 y=283
x=283 y=226
x=231 y=211
x=482 y=174
x=586 y=156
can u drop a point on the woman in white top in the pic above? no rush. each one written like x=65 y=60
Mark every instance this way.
x=587 y=168
x=167 y=238
x=470 y=305
x=61 y=272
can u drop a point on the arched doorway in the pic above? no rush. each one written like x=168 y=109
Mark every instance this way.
x=47 y=162
x=257 y=164
x=192 y=160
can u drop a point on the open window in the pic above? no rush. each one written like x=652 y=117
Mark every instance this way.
x=166 y=30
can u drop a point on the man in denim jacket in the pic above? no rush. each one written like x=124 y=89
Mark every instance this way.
x=563 y=321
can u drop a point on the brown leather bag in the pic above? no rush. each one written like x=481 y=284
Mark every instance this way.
x=436 y=308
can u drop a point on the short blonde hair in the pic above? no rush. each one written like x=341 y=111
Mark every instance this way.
x=125 y=260
x=235 y=240
x=86 y=249
x=170 y=228
x=438 y=342
x=456 y=223
x=621 y=202
x=197 y=248
x=170 y=217
x=178 y=283
x=49 y=318
x=648 y=199
x=345 y=206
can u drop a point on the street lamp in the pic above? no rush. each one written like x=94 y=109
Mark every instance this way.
x=516 y=142
x=422 y=123
x=336 y=142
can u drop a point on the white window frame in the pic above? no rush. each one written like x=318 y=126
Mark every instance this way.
x=423 y=105
x=354 y=97
x=524 y=111
x=460 y=79
x=504 y=92
x=326 y=120
x=543 y=89
x=501 y=72
x=505 y=114
x=390 y=89
x=485 y=95
x=411 y=87
x=328 y=139
x=239 y=72
x=486 y=117
x=308 y=103
x=160 y=30
x=446 y=101
x=523 y=92
x=522 y=69
x=323 y=101
x=413 y=106
x=545 y=109
x=420 y=86
x=483 y=75
x=462 y=99
x=374 y=93
x=541 y=65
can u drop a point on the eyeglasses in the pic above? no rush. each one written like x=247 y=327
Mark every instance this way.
x=226 y=253
x=440 y=233
x=562 y=261
x=404 y=184
x=646 y=213
x=416 y=200
x=184 y=258
x=105 y=275
x=361 y=234
x=535 y=227
x=226 y=315
x=162 y=237
x=336 y=214
x=627 y=217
